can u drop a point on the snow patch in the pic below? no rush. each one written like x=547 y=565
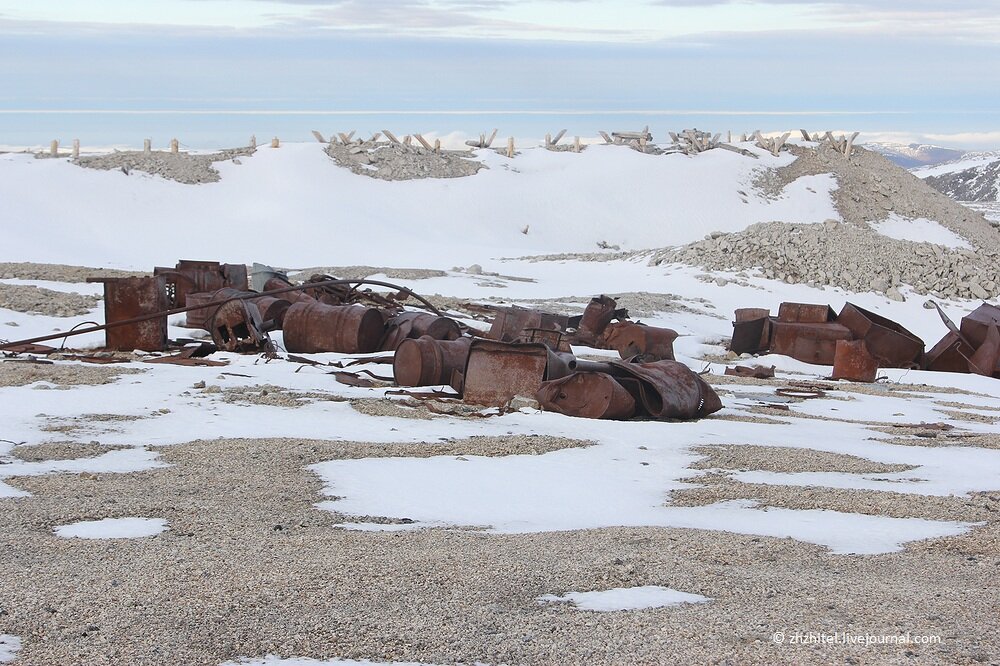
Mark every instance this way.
x=272 y=660
x=919 y=230
x=626 y=598
x=9 y=646
x=113 y=528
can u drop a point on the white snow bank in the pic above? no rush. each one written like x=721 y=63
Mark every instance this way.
x=113 y=528
x=9 y=646
x=626 y=598
x=919 y=230
x=277 y=199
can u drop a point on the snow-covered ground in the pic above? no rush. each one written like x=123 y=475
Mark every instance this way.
x=293 y=207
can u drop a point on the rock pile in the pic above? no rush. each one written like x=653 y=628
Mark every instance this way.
x=853 y=257
x=181 y=167
x=850 y=254
x=36 y=300
x=398 y=161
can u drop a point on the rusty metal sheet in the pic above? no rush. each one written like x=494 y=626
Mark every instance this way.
x=891 y=344
x=752 y=314
x=597 y=315
x=986 y=360
x=128 y=297
x=316 y=327
x=667 y=390
x=950 y=354
x=756 y=371
x=589 y=395
x=425 y=361
x=976 y=325
x=751 y=336
x=633 y=339
x=853 y=362
x=556 y=340
x=805 y=313
x=809 y=343
x=496 y=372
x=30 y=349
x=236 y=326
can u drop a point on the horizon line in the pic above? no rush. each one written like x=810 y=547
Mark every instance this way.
x=467 y=112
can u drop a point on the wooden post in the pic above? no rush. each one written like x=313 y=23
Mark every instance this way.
x=253 y=142
x=489 y=141
x=558 y=136
x=642 y=143
x=729 y=136
x=423 y=141
x=147 y=146
x=54 y=148
x=76 y=149
x=389 y=135
x=576 y=144
x=407 y=140
x=437 y=146
x=275 y=143
x=318 y=136
x=604 y=135
x=174 y=146
x=548 y=139
x=375 y=137
x=510 y=146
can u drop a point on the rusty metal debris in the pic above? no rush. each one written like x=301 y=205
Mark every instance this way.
x=195 y=277
x=496 y=372
x=135 y=298
x=853 y=362
x=428 y=362
x=972 y=347
x=756 y=371
x=236 y=326
x=891 y=345
x=317 y=327
x=589 y=395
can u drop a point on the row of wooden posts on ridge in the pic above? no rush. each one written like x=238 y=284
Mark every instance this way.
x=689 y=142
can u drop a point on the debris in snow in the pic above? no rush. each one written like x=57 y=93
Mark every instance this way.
x=626 y=599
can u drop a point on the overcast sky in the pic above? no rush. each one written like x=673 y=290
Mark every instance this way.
x=914 y=65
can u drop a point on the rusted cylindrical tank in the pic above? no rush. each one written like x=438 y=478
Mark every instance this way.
x=199 y=318
x=315 y=327
x=425 y=361
x=291 y=296
x=416 y=325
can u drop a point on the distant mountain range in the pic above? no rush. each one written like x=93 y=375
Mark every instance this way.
x=913 y=155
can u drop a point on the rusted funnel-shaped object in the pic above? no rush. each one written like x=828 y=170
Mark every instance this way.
x=316 y=327
x=428 y=362
x=590 y=395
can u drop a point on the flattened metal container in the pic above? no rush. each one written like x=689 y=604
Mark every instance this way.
x=316 y=327
x=125 y=298
x=975 y=325
x=751 y=331
x=809 y=343
x=950 y=354
x=887 y=341
x=589 y=395
x=632 y=339
x=496 y=372
x=805 y=313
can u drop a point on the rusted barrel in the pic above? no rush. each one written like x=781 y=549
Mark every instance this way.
x=425 y=361
x=416 y=325
x=272 y=309
x=199 y=318
x=315 y=327
x=589 y=395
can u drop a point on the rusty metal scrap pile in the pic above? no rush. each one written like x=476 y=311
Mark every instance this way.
x=857 y=342
x=525 y=353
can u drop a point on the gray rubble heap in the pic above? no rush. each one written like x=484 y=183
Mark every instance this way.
x=184 y=168
x=397 y=161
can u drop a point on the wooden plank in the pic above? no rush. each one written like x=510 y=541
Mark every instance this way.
x=389 y=135
x=344 y=139
x=674 y=137
x=558 y=136
x=576 y=144
x=437 y=146
x=489 y=141
x=375 y=137
x=423 y=142
x=318 y=136
x=510 y=146
x=850 y=144
x=805 y=135
x=604 y=135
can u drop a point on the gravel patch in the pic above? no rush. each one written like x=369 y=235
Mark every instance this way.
x=787 y=459
x=69 y=450
x=17 y=373
x=270 y=395
x=388 y=161
x=250 y=567
x=185 y=168
x=58 y=272
x=37 y=300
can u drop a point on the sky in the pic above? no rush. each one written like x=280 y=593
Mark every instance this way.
x=903 y=70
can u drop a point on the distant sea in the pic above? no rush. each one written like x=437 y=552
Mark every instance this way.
x=220 y=129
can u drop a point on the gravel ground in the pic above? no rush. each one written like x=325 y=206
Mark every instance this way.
x=20 y=373
x=250 y=567
x=37 y=300
x=388 y=161
x=788 y=460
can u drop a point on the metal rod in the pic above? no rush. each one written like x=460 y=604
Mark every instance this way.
x=168 y=313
